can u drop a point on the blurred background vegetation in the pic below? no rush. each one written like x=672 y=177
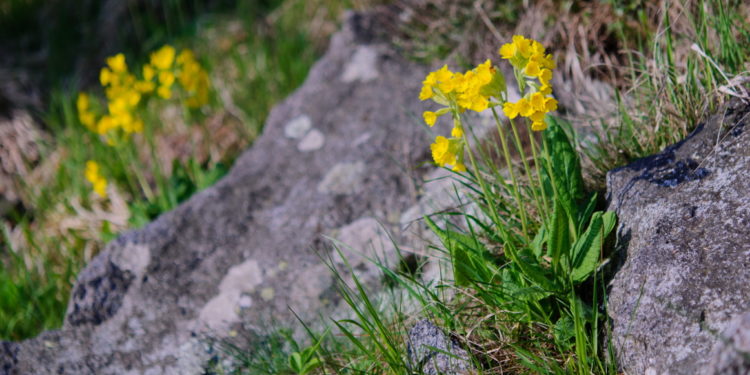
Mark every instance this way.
x=630 y=79
x=52 y=223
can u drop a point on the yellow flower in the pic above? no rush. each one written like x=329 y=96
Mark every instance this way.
x=82 y=103
x=524 y=107
x=105 y=124
x=105 y=76
x=523 y=46
x=510 y=109
x=532 y=69
x=459 y=167
x=457 y=131
x=550 y=104
x=166 y=78
x=537 y=116
x=98 y=182
x=185 y=56
x=537 y=101
x=429 y=117
x=538 y=126
x=145 y=87
x=148 y=72
x=507 y=51
x=545 y=76
x=163 y=58
x=426 y=93
x=117 y=63
x=164 y=92
x=442 y=152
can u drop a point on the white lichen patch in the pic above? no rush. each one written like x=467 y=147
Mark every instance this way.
x=343 y=178
x=310 y=283
x=314 y=140
x=298 y=127
x=221 y=311
x=362 y=244
x=133 y=258
x=267 y=294
x=362 y=239
x=363 y=66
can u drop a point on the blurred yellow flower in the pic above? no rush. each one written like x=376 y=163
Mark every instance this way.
x=99 y=183
x=117 y=63
x=163 y=58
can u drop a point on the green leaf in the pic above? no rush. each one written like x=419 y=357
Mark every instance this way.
x=565 y=169
x=534 y=272
x=295 y=363
x=469 y=257
x=558 y=245
x=537 y=245
x=516 y=291
x=586 y=251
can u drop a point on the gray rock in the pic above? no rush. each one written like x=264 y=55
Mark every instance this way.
x=428 y=348
x=684 y=216
x=242 y=252
x=731 y=353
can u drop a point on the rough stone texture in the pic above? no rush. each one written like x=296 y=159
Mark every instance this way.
x=424 y=339
x=684 y=216
x=242 y=252
x=731 y=354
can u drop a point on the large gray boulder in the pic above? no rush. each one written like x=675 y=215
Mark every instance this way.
x=684 y=233
x=339 y=158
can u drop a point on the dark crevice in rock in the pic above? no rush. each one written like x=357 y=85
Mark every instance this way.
x=99 y=299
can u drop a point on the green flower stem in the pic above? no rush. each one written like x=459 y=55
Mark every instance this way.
x=486 y=191
x=121 y=153
x=516 y=189
x=526 y=167
x=546 y=213
x=139 y=167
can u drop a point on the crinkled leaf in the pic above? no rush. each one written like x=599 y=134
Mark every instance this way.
x=586 y=251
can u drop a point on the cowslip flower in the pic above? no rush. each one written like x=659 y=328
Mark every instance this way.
x=534 y=67
x=163 y=58
x=448 y=151
x=99 y=183
x=193 y=79
x=85 y=115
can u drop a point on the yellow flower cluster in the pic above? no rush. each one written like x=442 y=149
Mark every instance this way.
x=193 y=78
x=161 y=69
x=448 y=151
x=124 y=91
x=457 y=92
x=531 y=63
x=484 y=87
x=98 y=182
x=466 y=89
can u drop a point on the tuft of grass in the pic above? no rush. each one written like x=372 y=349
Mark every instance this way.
x=675 y=78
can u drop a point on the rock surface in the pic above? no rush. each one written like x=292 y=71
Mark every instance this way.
x=731 y=353
x=340 y=153
x=684 y=216
x=428 y=348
